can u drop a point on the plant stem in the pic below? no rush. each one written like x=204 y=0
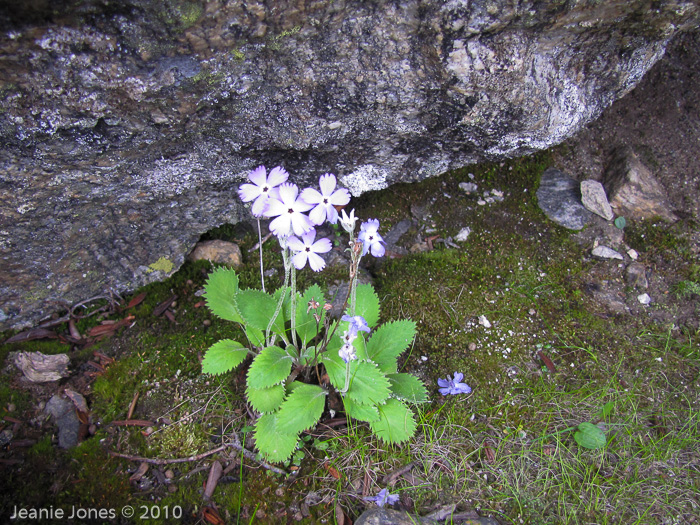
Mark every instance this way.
x=293 y=307
x=285 y=286
x=262 y=273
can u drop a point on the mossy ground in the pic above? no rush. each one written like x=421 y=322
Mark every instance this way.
x=505 y=450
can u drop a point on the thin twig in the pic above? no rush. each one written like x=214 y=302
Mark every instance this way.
x=257 y=245
x=158 y=461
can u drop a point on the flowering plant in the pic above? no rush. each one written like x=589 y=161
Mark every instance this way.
x=299 y=353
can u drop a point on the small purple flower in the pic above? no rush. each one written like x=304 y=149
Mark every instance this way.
x=347 y=353
x=371 y=240
x=307 y=250
x=383 y=498
x=263 y=188
x=325 y=201
x=357 y=324
x=289 y=209
x=454 y=386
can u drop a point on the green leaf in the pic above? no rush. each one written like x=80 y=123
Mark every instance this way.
x=408 y=388
x=354 y=410
x=223 y=356
x=368 y=384
x=302 y=409
x=220 y=294
x=255 y=336
x=396 y=423
x=367 y=304
x=306 y=323
x=275 y=444
x=335 y=366
x=590 y=436
x=266 y=399
x=388 y=342
x=606 y=409
x=270 y=367
x=257 y=308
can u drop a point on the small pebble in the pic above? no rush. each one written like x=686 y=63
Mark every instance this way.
x=472 y=347
x=92 y=429
x=206 y=322
x=644 y=298
x=11 y=407
x=172 y=489
x=169 y=474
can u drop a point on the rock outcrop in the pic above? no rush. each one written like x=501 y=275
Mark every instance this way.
x=127 y=126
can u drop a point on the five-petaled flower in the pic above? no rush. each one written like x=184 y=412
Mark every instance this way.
x=325 y=201
x=307 y=250
x=383 y=498
x=264 y=188
x=289 y=209
x=371 y=240
x=454 y=386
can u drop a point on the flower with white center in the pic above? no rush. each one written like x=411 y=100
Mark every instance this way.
x=325 y=201
x=454 y=386
x=289 y=210
x=371 y=240
x=348 y=223
x=263 y=188
x=347 y=353
x=307 y=250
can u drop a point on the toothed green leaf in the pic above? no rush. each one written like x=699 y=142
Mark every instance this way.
x=368 y=384
x=354 y=410
x=275 y=444
x=223 y=357
x=220 y=294
x=408 y=387
x=388 y=342
x=266 y=399
x=257 y=308
x=396 y=423
x=367 y=304
x=270 y=367
x=302 y=409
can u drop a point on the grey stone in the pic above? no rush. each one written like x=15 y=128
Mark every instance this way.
x=633 y=189
x=391 y=517
x=66 y=419
x=468 y=187
x=559 y=198
x=636 y=275
x=463 y=234
x=126 y=131
x=606 y=253
x=594 y=199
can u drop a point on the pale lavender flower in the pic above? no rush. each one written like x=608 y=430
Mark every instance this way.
x=371 y=240
x=383 y=498
x=347 y=353
x=357 y=323
x=307 y=250
x=325 y=201
x=289 y=209
x=454 y=386
x=263 y=188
